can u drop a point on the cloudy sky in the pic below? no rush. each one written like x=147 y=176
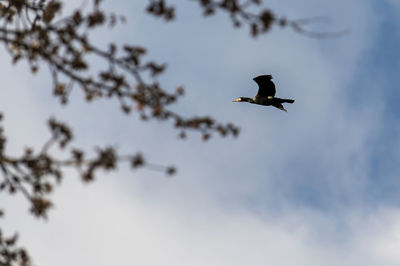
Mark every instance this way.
x=318 y=185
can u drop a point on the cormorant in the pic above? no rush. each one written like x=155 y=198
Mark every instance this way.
x=266 y=94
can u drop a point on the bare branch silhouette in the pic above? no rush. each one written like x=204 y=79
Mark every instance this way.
x=261 y=22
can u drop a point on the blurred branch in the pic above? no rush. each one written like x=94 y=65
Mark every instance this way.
x=239 y=12
x=32 y=31
x=35 y=174
x=11 y=254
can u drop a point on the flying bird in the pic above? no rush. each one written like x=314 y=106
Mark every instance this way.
x=266 y=94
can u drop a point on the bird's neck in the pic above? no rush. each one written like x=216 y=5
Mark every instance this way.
x=245 y=99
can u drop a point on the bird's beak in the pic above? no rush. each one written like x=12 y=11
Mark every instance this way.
x=237 y=100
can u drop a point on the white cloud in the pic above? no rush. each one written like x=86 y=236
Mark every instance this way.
x=102 y=226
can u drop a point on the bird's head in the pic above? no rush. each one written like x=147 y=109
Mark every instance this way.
x=244 y=99
x=269 y=76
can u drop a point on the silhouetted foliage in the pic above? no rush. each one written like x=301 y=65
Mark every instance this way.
x=34 y=32
x=10 y=253
x=240 y=12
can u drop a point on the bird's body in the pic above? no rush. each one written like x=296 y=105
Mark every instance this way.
x=266 y=94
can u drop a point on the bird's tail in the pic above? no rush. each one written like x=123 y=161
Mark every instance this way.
x=287 y=101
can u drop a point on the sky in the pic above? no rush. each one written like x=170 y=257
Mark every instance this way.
x=318 y=185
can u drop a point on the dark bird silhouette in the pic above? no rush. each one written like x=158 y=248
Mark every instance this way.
x=266 y=94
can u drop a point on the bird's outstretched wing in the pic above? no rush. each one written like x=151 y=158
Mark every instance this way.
x=265 y=86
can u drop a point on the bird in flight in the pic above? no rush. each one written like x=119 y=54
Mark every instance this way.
x=266 y=94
